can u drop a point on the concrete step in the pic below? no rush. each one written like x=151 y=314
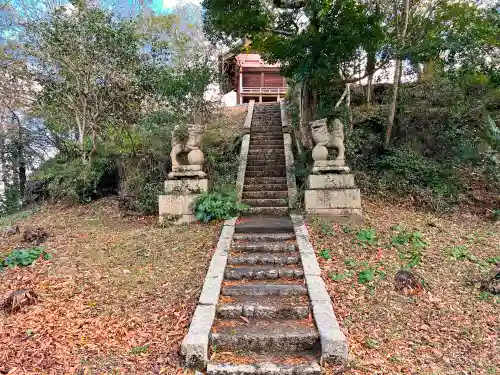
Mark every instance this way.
x=266 y=151
x=264 y=289
x=271 y=159
x=265 y=187
x=261 y=335
x=266 y=307
x=249 y=272
x=268 y=210
x=265 y=134
x=267 y=194
x=266 y=137
x=264 y=224
x=263 y=237
x=263 y=368
x=270 y=167
x=262 y=202
x=260 y=258
x=265 y=180
x=266 y=141
x=280 y=172
x=265 y=247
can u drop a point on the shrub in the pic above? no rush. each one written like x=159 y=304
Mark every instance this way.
x=77 y=181
x=217 y=206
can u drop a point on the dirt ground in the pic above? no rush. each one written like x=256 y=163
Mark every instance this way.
x=448 y=327
x=119 y=292
x=116 y=297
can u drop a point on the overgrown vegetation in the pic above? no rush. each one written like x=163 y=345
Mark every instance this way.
x=23 y=257
x=216 y=205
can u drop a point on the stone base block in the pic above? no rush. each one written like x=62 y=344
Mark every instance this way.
x=187 y=168
x=177 y=208
x=338 y=198
x=330 y=181
x=186 y=186
x=186 y=174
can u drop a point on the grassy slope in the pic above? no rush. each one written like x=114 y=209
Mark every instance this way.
x=450 y=328
x=115 y=285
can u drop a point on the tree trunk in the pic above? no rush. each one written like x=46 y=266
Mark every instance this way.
x=394 y=100
x=397 y=78
x=3 y=159
x=308 y=110
x=348 y=105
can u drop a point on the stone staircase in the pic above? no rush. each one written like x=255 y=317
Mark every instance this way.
x=265 y=189
x=263 y=323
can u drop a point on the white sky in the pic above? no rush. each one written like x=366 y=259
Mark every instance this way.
x=173 y=3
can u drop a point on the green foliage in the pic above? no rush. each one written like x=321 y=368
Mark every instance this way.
x=139 y=349
x=460 y=252
x=217 y=206
x=325 y=254
x=366 y=276
x=496 y=214
x=10 y=201
x=367 y=236
x=371 y=343
x=349 y=262
x=78 y=181
x=23 y=257
x=339 y=276
x=327 y=229
x=410 y=245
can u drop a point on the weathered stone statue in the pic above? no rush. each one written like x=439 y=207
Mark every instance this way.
x=325 y=140
x=187 y=142
x=330 y=187
x=187 y=179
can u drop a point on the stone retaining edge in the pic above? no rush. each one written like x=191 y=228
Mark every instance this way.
x=245 y=146
x=194 y=347
x=289 y=159
x=333 y=341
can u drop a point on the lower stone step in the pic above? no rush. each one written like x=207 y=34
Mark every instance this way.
x=263 y=237
x=273 y=307
x=274 y=172
x=262 y=335
x=262 y=272
x=265 y=180
x=265 y=187
x=276 y=258
x=265 y=247
x=267 y=194
x=263 y=202
x=263 y=369
x=259 y=289
x=268 y=210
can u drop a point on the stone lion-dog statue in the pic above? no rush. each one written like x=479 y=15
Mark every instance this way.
x=325 y=140
x=187 y=141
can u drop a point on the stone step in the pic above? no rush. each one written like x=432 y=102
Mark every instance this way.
x=266 y=134
x=271 y=159
x=262 y=273
x=265 y=187
x=264 y=289
x=261 y=258
x=268 y=210
x=266 y=151
x=266 y=137
x=266 y=307
x=267 y=142
x=266 y=173
x=263 y=368
x=267 y=194
x=265 y=247
x=265 y=167
x=261 y=335
x=265 y=163
x=262 y=202
x=265 y=180
x=260 y=146
x=264 y=237
x=269 y=127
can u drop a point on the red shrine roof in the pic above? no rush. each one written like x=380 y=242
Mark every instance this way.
x=253 y=60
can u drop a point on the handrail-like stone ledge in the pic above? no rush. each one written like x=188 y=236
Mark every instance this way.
x=194 y=347
x=245 y=146
x=289 y=160
x=333 y=341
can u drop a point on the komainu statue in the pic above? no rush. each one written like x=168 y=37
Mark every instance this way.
x=187 y=140
x=325 y=140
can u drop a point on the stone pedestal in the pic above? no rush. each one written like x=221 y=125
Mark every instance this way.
x=181 y=190
x=333 y=194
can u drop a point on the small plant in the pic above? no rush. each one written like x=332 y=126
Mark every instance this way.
x=23 y=257
x=325 y=254
x=366 y=276
x=139 y=349
x=327 y=229
x=495 y=215
x=493 y=260
x=371 y=343
x=366 y=236
x=347 y=229
x=461 y=252
x=339 y=276
x=217 y=206
x=349 y=262
x=416 y=243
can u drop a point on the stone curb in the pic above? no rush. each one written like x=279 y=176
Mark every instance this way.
x=194 y=347
x=248 y=119
x=333 y=341
x=289 y=160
